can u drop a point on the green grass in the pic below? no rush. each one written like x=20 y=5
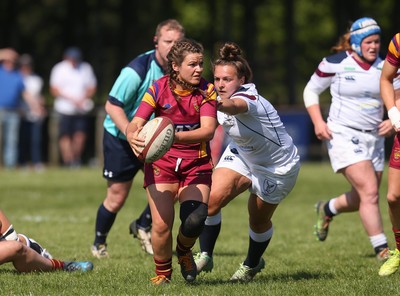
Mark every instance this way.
x=58 y=208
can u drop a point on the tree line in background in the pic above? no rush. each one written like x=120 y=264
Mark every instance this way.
x=283 y=40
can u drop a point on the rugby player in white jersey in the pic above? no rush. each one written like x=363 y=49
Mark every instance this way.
x=355 y=130
x=261 y=158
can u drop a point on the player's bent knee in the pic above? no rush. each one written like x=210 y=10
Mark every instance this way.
x=193 y=214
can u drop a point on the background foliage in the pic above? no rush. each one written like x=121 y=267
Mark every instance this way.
x=283 y=40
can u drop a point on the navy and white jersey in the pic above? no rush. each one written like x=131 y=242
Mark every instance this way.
x=130 y=87
x=354 y=87
x=259 y=133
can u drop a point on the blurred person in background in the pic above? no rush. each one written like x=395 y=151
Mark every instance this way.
x=120 y=163
x=32 y=121
x=355 y=130
x=12 y=94
x=73 y=84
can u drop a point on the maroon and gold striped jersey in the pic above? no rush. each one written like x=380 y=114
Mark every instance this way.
x=184 y=109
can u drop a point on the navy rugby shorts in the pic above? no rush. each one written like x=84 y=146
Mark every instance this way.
x=120 y=163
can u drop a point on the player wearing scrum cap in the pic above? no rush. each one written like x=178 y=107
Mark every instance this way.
x=354 y=131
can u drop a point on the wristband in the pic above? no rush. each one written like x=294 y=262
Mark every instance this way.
x=394 y=116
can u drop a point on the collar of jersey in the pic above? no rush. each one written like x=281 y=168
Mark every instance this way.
x=183 y=93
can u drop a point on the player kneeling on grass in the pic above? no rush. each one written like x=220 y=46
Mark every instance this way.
x=28 y=255
x=261 y=157
x=184 y=172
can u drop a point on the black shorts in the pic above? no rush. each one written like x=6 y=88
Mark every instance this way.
x=120 y=163
x=70 y=124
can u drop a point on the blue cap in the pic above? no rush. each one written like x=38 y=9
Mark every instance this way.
x=73 y=53
x=361 y=29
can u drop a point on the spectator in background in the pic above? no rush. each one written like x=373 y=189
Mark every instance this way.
x=32 y=121
x=12 y=92
x=73 y=84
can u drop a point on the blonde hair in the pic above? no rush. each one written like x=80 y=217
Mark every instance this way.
x=343 y=43
x=170 y=24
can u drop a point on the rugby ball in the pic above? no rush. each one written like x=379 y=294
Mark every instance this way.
x=158 y=135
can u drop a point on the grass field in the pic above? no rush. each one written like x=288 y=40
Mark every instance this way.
x=58 y=208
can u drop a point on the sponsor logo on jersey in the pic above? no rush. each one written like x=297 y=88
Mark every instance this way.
x=229 y=158
x=186 y=127
x=350 y=78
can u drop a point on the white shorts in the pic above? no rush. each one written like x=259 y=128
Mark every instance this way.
x=270 y=187
x=349 y=146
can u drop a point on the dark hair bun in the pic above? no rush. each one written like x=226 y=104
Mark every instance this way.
x=230 y=51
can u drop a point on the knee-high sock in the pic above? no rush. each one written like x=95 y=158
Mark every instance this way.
x=104 y=221
x=210 y=234
x=258 y=243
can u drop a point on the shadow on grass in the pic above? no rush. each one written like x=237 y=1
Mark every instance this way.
x=287 y=277
x=297 y=276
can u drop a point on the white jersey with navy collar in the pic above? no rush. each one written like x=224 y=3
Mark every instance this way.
x=259 y=133
x=354 y=87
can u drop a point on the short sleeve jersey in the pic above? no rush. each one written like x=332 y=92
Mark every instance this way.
x=259 y=133
x=130 y=87
x=185 y=112
x=393 y=55
x=354 y=87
